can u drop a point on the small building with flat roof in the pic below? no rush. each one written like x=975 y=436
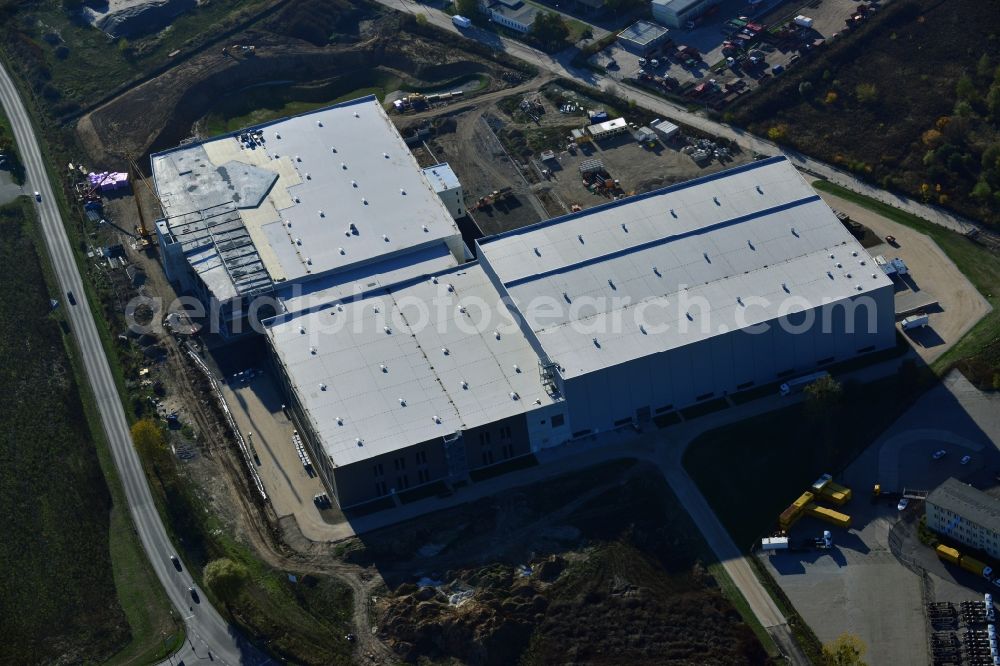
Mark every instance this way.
x=643 y=37
x=608 y=128
x=448 y=188
x=965 y=514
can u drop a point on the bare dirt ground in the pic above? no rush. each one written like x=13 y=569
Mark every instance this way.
x=960 y=305
x=161 y=112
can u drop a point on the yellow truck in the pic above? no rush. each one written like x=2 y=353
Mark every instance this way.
x=948 y=554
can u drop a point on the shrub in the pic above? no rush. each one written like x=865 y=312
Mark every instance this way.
x=866 y=93
x=831 y=98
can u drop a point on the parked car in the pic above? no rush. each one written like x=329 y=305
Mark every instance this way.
x=965 y=460
x=891 y=240
x=903 y=503
x=940 y=453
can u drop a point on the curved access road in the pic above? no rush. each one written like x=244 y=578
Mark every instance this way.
x=209 y=635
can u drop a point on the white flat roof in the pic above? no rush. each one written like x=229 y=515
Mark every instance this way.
x=607 y=126
x=754 y=233
x=299 y=188
x=441 y=177
x=343 y=347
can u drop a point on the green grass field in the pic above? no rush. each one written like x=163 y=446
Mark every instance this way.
x=977 y=354
x=57 y=595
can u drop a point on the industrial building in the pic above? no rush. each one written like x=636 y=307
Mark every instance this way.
x=643 y=37
x=514 y=14
x=577 y=326
x=448 y=188
x=608 y=128
x=326 y=199
x=676 y=13
x=966 y=515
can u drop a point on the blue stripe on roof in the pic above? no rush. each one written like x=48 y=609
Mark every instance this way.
x=639 y=197
x=661 y=241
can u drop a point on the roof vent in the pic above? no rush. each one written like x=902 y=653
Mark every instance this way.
x=750 y=243
x=461 y=308
x=854 y=254
x=277 y=136
x=354 y=183
x=861 y=261
x=360 y=441
x=322 y=214
x=340 y=421
x=424 y=227
x=402 y=403
x=705 y=254
x=364 y=201
x=444 y=350
x=829 y=274
x=356 y=115
x=739 y=299
x=690 y=318
x=434 y=280
x=579 y=237
x=309 y=262
x=624 y=228
x=375 y=309
x=839 y=265
x=451 y=287
x=465 y=385
x=341 y=250
x=831 y=255
x=343 y=165
x=340 y=307
x=385 y=155
x=538 y=252
x=847 y=275
x=322 y=387
x=759 y=191
x=794 y=232
x=514 y=395
x=298 y=200
x=858 y=287
x=496 y=333
x=612 y=284
x=785 y=287
x=288 y=223
x=873 y=276
x=385 y=238
x=302 y=330
x=298 y=159
x=436 y=418
x=333 y=149
x=716 y=200
x=656 y=272
x=642 y=329
x=312 y=350
x=567 y=298
x=596 y=343
x=308 y=176
x=517 y=368
x=298 y=241
x=382 y=367
x=402 y=191
x=388 y=331
x=673 y=214
x=319 y=123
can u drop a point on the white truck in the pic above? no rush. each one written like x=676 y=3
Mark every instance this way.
x=803 y=21
x=799 y=383
x=914 y=321
x=774 y=543
x=461 y=21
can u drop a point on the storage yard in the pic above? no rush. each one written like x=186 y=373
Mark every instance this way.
x=732 y=49
x=869 y=583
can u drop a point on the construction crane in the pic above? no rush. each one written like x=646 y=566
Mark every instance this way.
x=141 y=230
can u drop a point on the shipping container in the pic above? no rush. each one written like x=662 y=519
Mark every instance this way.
x=829 y=515
x=947 y=554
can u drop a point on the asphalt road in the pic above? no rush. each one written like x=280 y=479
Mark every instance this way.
x=559 y=64
x=209 y=636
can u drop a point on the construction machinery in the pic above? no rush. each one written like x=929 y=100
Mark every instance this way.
x=143 y=234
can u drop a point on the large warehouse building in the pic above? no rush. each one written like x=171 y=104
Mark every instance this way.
x=304 y=208
x=404 y=364
x=965 y=514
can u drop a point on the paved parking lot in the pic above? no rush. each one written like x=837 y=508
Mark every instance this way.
x=933 y=278
x=828 y=20
x=860 y=586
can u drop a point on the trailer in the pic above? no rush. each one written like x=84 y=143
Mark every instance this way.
x=829 y=515
x=825 y=488
x=795 y=511
x=975 y=566
x=803 y=21
x=461 y=21
x=799 y=383
x=914 y=321
x=774 y=543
